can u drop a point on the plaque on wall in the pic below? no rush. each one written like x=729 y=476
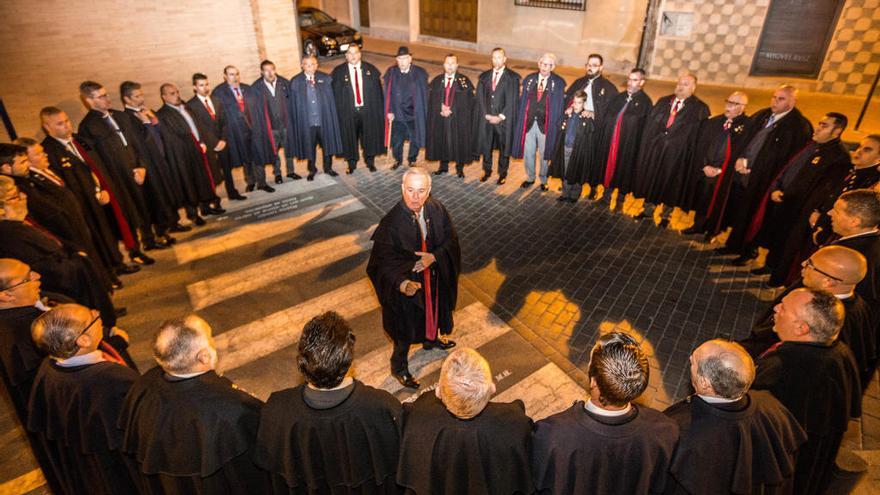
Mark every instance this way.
x=795 y=37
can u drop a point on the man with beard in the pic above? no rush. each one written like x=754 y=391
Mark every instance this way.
x=709 y=189
x=600 y=91
x=187 y=429
x=414 y=268
x=497 y=100
x=774 y=135
x=450 y=118
x=186 y=151
x=83 y=173
x=360 y=104
x=313 y=111
x=211 y=123
x=406 y=106
x=162 y=192
x=273 y=89
x=782 y=224
x=248 y=136
x=622 y=134
x=668 y=146
x=125 y=173
x=541 y=105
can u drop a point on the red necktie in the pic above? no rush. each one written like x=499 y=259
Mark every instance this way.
x=673 y=113
x=239 y=100
x=540 y=88
x=494 y=81
x=211 y=112
x=431 y=308
x=357 y=88
x=448 y=87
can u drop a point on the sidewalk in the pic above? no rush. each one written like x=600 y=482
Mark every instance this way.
x=813 y=105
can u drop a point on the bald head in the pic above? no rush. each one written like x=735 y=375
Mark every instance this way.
x=784 y=99
x=185 y=346
x=686 y=86
x=836 y=269
x=735 y=104
x=19 y=285
x=722 y=369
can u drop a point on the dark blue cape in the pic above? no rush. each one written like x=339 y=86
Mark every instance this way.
x=555 y=101
x=303 y=148
x=248 y=137
x=420 y=101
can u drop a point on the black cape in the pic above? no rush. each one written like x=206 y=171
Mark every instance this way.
x=395 y=242
x=193 y=435
x=282 y=95
x=419 y=97
x=575 y=451
x=19 y=356
x=787 y=136
x=74 y=410
x=487 y=454
x=716 y=147
x=247 y=132
x=185 y=157
x=869 y=245
x=747 y=446
x=819 y=384
x=331 y=143
x=603 y=91
x=504 y=100
x=349 y=448
x=212 y=131
x=449 y=138
x=666 y=154
x=578 y=169
x=858 y=178
x=373 y=112
x=79 y=180
x=625 y=121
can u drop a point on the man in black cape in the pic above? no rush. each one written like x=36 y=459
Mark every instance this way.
x=406 y=105
x=495 y=115
x=64 y=268
x=76 y=399
x=781 y=223
x=712 y=172
x=600 y=91
x=574 y=150
x=621 y=134
x=186 y=152
x=274 y=91
x=774 y=135
x=837 y=270
x=668 y=146
x=865 y=174
x=211 y=123
x=815 y=376
x=357 y=426
x=733 y=440
x=248 y=138
x=414 y=268
x=83 y=174
x=101 y=130
x=450 y=118
x=855 y=220
x=617 y=445
x=162 y=192
x=313 y=110
x=187 y=429
x=455 y=441
x=360 y=105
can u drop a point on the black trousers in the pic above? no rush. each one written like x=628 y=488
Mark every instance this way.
x=400 y=357
x=317 y=139
x=444 y=167
x=496 y=144
x=400 y=132
x=359 y=140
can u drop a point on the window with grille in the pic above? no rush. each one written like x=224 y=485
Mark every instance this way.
x=553 y=4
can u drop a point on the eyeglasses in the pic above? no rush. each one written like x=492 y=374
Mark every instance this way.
x=809 y=263
x=27 y=278
x=86 y=329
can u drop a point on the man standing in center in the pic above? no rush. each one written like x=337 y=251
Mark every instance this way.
x=274 y=90
x=495 y=115
x=406 y=101
x=360 y=105
x=414 y=267
x=450 y=121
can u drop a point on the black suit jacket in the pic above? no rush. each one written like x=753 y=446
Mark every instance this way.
x=210 y=130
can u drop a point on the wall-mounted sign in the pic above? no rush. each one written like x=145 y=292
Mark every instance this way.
x=677 y=24
x=795 y=37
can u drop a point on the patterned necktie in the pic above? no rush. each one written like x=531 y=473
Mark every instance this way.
x=239 y=99
x=770 y=121
x=210 y=111
x=675 y=107
x=541 y=88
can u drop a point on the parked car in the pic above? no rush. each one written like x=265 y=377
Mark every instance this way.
x=322 y=36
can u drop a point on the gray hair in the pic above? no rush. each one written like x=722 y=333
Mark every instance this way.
x=56 y=330
x=177 y=344
x=730 y=371
x=824 y=315
x=416 y=171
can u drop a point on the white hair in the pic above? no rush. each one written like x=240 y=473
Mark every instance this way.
x=465 y=383
x=551 y=56
x=416 y=171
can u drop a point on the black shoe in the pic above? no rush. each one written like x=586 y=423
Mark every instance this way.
x=485 y=177
x=460 y=175
x=149 y=246
x=237 y=197
x=743 y=260
x=310 y=177
x=124 y=269
x=562 y=199
x=216 y=210
x=725 y=250
x=502 y=180
x=440 y=172
x=116 y=284
x=331 y=173
x=527 y=184
x=169 y=240
x=412 y=163
x=396 y=165
x=691 y=231
x=642 y=216
x=292 y=175
x=544 y=187
x=663 y=223
x=764 y=270
x=438 y=344
x=371 y=168
x=198 y=221
x=140 y=258
x=267 y=188
x=279 y=180
x=179 y=228
x=249 y=188
x=406 y=379
x=120 y=312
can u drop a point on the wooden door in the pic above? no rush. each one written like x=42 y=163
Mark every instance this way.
x=454 y=19
x=364 y=8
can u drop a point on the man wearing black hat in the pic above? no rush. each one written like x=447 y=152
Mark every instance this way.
x=406 y=100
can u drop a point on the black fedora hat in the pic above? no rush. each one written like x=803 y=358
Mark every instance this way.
x=403 y=50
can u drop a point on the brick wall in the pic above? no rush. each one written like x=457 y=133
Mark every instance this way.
x=47 y=48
